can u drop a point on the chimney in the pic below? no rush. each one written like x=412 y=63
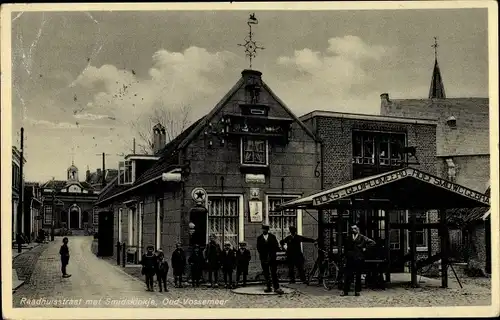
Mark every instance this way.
x=159 y=138
x=87 y=175
x=385 y=103
x=253 y=85
x=99 y=172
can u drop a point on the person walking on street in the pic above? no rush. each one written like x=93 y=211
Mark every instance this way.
x=196 y=262
x=268 y=246
x=162 y=271
x=64 y=253
x=178 y=264
x=243 y=258
x=355 y=246
x=294 y=255
x=228 y=262
x=149 y=263
x=212 y=258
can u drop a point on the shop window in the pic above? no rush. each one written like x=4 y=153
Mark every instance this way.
x=47 y=217
x=280 y=221
x=396 y=216
x=421 y=233
x=224 y=219
x=254 y=152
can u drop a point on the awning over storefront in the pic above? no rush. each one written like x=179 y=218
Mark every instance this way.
x=403 y=189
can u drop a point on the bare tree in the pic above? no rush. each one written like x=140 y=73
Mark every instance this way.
x=174 y=120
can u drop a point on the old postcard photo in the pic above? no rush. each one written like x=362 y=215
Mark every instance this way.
x=296 y=160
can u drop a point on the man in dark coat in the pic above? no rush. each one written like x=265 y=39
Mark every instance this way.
x=149 y=263
x=355 y=245
x=212 y=258
x=162 y=271
x=228 y=262
x=294 y=255
x=243 y=258
x=196 y=262
x=178 y=264
x=64 y=253
x=268 y=246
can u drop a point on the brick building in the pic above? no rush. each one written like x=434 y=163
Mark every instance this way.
x=19 y=223
x=356 y=146
x=68 y=203
x=226 y=173
x=462 y=142
x=462 y=136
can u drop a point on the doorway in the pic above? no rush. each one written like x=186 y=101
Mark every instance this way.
x=199 y=218
x=397 y=239
x=487 y=235
x=105 y=243
x=74 y=218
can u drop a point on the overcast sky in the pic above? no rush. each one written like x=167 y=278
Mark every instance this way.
x=80 y=79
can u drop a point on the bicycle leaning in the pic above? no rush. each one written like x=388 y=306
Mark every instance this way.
x=328 y=271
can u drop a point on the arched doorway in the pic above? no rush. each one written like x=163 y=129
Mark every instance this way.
x=74 y=217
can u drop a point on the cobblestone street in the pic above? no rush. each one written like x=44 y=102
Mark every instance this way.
x=94 y=278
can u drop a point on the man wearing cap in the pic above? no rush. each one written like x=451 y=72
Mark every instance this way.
x=294 y=255
x=149 y=263
x=268 y=246
x=355 y=246
x=243 y=258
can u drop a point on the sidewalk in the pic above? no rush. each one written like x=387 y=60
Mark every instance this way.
x=24 y=263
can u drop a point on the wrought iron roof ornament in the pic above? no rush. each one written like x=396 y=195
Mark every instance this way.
x=250 y=45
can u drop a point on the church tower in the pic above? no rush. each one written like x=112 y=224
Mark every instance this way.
x=437 y=88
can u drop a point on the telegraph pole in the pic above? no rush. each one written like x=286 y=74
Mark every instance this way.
x=20 y=210
x=52 y=231
x=103 y=170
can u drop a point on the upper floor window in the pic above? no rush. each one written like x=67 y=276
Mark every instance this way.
x=15 y=176
x=125 y=172
x=254 y=151
x=374 y=148
x=47 y=217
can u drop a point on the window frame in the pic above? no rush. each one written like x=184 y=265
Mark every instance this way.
x=359 y=138
x=242 y=145
x=241 y=213
x=45 y=213
x=424 y=245
x=285 y=198
x=125 y=170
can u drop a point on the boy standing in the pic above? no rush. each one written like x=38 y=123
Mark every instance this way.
x=64 y=252
x=161 y=274
x=149 y=266
x=178 y=264
x=243 y=258
x=228 y=260
x=196 y=262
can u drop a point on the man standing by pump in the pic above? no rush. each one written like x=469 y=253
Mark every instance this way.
x=268 y=246
x=294 y=255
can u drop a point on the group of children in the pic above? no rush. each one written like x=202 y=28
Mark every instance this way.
x=213 y=259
